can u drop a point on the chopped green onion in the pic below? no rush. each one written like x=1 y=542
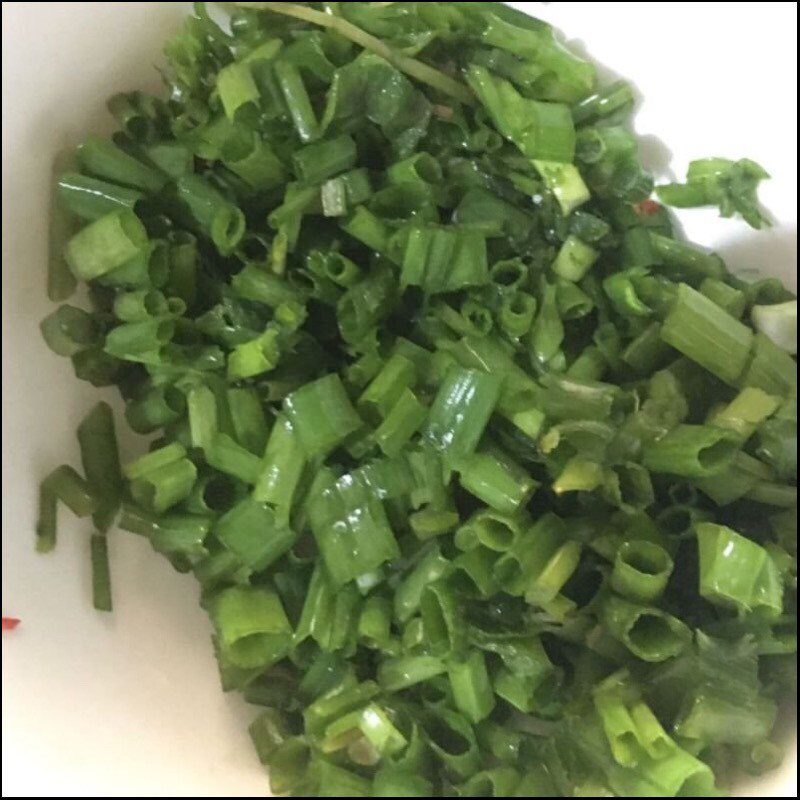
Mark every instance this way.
x=251 y=625
x=735 y=571
x=541 y=131
x=745 y=413
x=218 y=218
x=649 y=633
x=297 y=100
x=69 y=330
x=101 y=578
x=236 y=88
x=65 y=485
x=105 y=244
x=692 y=451
x=61 y=282
x=408 y=596
x=496 y=480
x=351 y=529
x=711 y=337
x=726 y=297
x=565 y=182
x=641 y=571
x=251 y=531
x=103 y=159
x=100 y=459
x=683 y=260
x=471 y=687
x=719 y=182
x=321 y=160
x=574 y=259
x=771 y=369
x=461 y=411
x=322 y=415
x=225 y=455
x=90 y=198
x=438 y=401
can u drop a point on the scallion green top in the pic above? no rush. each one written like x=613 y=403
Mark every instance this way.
x=487 y=477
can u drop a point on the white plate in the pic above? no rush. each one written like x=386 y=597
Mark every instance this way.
x=129 y=704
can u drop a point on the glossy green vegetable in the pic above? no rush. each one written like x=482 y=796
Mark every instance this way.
x=487 y=477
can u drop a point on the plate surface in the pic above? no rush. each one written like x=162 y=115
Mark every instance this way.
x=129 y=704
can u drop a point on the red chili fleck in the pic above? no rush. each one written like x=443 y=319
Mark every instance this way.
x=9 y=623
x=646 y=208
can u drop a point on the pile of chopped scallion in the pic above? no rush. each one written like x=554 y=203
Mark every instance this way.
x=487 y=478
